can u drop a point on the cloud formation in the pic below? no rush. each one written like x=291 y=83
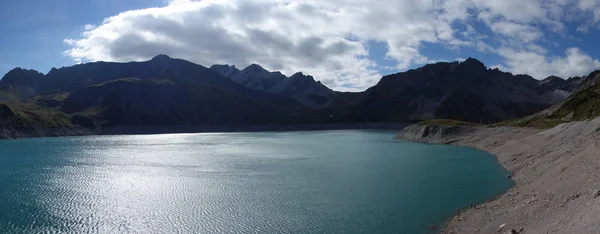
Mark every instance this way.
x=329 y=39
x=536 y=64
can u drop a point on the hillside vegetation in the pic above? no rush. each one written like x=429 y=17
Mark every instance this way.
x=26 y=118
x=173 y=92
x=582 y=105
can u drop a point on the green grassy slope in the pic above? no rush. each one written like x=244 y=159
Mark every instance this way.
x=28 y=116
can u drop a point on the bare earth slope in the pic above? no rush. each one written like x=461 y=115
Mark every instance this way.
x=557 y=175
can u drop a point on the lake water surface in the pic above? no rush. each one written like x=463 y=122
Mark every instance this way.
x=289 y=182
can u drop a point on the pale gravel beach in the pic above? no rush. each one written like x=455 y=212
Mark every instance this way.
x=557 y=175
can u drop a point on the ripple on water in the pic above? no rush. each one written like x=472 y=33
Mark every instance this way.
x=306 y=182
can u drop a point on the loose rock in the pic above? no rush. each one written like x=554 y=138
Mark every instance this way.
x=501 y=226
x=596 y=193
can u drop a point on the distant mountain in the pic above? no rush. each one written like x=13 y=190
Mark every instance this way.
x=300 y=87
x=466 y=91
x=20 y=84
x=569 y=85
x=162 y=91
x=173 y=92
x=584 y=104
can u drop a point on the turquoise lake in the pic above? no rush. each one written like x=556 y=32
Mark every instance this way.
x=282 y=182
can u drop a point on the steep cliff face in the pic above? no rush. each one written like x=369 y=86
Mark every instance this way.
x=434 y=133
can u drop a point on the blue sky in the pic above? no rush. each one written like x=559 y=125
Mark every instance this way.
x=33 y=30
x=346 y=44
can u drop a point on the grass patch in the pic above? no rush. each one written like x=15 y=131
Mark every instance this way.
x=29 y=116
x=53 y=96
x=135 y=80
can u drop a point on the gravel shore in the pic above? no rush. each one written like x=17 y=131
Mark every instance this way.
x=557 y=175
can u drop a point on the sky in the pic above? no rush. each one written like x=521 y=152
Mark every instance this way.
x=346 y=44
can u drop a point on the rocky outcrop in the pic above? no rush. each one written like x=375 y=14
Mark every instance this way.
x=6 y=112
x=434 y=133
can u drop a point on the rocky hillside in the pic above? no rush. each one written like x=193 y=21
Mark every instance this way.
x=300 y=87
x=162 y=91
x=466 y=91
x=20 y=84
x=173 y=92
x=584 y=104
x=26 y=120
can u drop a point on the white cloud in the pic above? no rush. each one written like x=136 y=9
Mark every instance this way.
x=308 y=36
x=327 y=39
x=574 y=63
x=591 y=5
x=88 y=27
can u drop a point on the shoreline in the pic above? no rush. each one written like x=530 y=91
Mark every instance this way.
x=443 y=227
x=148 y=130
x=555 y=173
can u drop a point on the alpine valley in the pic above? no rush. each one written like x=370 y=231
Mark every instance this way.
x=164 y=94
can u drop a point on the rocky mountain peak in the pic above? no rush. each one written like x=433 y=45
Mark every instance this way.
x=225 y=70
x=299 y=86
x=591 y=80
x=552 y=78
x=472 y=63
x=299 y=76
x=21 y=76
x=21 y=71
x=553 y=81
x=161 y=57
x=254 y=68
x=23 y=82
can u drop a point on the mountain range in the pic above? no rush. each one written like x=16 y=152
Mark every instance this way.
x=172 y=92
x=466 y=91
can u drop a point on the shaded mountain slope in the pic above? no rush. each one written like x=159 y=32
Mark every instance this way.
x=465 y=91
x=25 y=119
x=582 y=105
x=20 y=84
x=174 y=92
x=300 y=87
x=162 y=91
x=134 y=102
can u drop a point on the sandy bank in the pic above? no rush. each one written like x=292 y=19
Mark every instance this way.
x=557 y=175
